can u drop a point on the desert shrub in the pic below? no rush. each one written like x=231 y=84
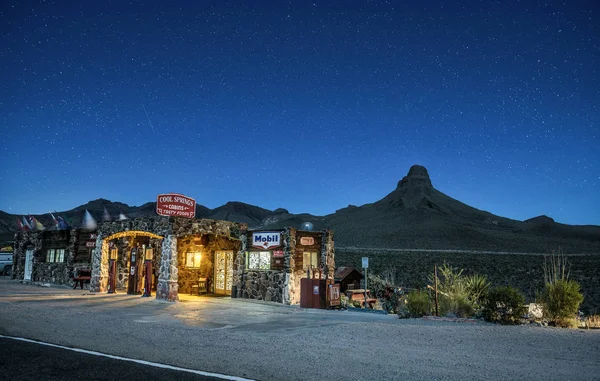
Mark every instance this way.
x=385 y=292
x=463 y=307
x=418 y=303
x=561 y=297
x=344 y=301
x=592 y=321
x=477 y=287
x=459 y=294
x=504 y=305
x=561 y=300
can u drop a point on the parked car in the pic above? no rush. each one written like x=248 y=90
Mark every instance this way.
x=6 y=263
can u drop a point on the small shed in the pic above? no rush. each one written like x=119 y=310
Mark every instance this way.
x=348 y=277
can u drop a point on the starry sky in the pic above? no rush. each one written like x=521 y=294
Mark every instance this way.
x=309 y=106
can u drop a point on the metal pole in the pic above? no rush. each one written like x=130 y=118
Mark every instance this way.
x=435 y=281
x=365 y=287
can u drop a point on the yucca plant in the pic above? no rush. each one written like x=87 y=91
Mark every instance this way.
x=562 y=296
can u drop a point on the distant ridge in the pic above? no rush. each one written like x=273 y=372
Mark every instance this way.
x=414 y=215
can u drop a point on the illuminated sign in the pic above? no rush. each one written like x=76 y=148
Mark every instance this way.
x=175 y=205
x=266 y=240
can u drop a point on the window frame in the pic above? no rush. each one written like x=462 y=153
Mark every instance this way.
x=55 y=255
x=264 y=254
x=313 y=255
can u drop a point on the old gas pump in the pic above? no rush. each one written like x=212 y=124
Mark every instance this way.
x=148 y=254
x=112 y=269
x=132 y=285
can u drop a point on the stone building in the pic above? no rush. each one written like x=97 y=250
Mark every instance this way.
x=274 y=261
x=264 y=265
x=52 y=256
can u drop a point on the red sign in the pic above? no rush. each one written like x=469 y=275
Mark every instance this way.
x=278 y=253
x=175 y=205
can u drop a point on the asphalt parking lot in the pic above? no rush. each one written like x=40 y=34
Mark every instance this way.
x=265 y=341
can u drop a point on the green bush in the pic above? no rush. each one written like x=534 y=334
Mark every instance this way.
x=504 y=305
x=477 y=287
x=459 y=294
x=463 y=307
x=561 y=300
x=418 y=303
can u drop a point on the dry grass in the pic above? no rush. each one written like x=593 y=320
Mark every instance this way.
x=592 y=321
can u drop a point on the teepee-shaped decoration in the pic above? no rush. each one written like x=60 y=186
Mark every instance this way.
x=88 y=222
x=106 y=215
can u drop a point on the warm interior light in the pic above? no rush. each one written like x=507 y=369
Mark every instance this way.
x=149 y=253
x=197 y=257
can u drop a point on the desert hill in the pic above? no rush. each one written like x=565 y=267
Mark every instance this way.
x=413 y=216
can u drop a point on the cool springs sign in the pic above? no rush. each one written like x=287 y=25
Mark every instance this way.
x=266 y=240
x=175 y=205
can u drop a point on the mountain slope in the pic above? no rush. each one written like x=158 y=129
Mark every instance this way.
x=415 y=215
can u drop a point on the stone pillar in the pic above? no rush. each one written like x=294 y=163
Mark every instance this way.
x=168 y=277
x=239 y=267
x=99 y=281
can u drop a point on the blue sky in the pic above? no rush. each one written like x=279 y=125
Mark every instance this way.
x=306 y=106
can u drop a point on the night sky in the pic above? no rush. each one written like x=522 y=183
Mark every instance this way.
x=301 y=105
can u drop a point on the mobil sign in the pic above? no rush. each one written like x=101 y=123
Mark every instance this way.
x=175 y=205
x=266 y=240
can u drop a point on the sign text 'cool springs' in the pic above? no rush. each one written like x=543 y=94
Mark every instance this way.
x=175 y=205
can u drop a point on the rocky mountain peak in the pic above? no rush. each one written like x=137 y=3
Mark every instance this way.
x=417 y=177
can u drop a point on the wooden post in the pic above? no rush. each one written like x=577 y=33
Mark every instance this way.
x=435 y=280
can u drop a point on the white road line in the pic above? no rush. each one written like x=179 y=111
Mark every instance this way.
x=143 y=362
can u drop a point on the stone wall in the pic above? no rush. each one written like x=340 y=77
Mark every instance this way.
x=158 y=228
x=264 y=285
x=211 y=243
x=156 y=225
x=24 y=240
x=41 y=241
x=283 y=285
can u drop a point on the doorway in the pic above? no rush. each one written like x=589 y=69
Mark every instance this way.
x=28 y=264
x=223 y=272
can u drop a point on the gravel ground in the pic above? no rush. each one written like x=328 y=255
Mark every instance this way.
x=269 y=342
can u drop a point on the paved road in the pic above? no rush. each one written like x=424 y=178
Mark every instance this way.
x=28 y=361
x=272 y=342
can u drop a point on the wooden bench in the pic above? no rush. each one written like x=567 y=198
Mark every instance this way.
x=82 y=276
x=358 y=295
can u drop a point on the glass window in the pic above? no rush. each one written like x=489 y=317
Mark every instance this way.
x=310 y=260
x=258 y=260
x=193 y=259
x=55 y=255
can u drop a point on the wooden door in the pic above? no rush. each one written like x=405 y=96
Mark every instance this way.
x=28 y=264
x=223 y=272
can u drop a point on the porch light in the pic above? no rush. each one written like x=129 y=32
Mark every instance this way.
x=113 y=253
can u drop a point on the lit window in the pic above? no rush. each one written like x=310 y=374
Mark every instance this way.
x=310 y=260
x=55 y=255
x=193 y=259
x=258 y=260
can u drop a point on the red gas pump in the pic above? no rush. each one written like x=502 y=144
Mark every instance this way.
x=132 y=285
x=148 y=254
x=112 y=269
